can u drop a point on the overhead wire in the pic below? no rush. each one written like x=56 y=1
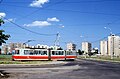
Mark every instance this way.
x=108 y=35
x=59 y=2
x=83 y=12
x=103 y=38
x=45 y=8
x=28 y=29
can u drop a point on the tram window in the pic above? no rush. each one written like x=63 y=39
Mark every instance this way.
x=57 y=53
x=31 y=52
x=61 y=53
x=45 y=52
x=26 y=52
x=17 y=52
x=53 y=52
x=42 y=53
x=39 y=52
x=35 y=52
x=69 y=53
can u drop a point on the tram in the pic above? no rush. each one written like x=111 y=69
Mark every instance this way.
x=42 y=54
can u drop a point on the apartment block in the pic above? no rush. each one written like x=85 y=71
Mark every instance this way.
x=114 y=45
x=104 y=48
x=71 y=46
x=86 y=47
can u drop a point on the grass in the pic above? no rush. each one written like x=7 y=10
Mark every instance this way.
x=25 y=62
x=7 y=59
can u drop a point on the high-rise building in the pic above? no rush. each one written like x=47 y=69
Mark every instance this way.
x=71 y=46
x=86 y=47
x=114 y=45
x=104 y=48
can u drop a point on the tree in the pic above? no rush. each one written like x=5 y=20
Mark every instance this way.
x=3 y=37
x=80 y=52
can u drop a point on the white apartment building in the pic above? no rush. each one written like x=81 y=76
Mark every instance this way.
x=104 y=48
x=114 y=45
x=71 y=46
x=86 y=47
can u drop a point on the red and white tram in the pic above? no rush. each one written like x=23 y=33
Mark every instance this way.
x=43 y=54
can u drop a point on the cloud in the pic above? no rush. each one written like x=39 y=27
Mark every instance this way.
x=53 y=19
x=2 y=15
x=38 y=24
x=38 y=3
x=62 y=26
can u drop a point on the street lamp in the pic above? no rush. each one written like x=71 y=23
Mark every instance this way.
x=27 y=42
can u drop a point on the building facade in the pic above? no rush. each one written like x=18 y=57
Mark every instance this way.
x=86 y=47
x=104 y=48
x=114 y=45
x=8 y=49
x=4 y=49
x=71 y=46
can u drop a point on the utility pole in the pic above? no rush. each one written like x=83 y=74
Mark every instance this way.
x=57 y=42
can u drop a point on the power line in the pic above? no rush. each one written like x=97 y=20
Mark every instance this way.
x=83 y=12
x=103 y=38
x=29 y=30
x=77 y=11
x=59 y=2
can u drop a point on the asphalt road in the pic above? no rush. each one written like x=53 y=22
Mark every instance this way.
x=78 y=69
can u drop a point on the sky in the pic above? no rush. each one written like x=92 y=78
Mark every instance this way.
x=74 y=20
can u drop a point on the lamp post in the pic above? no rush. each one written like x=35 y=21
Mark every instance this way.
x=27 y=42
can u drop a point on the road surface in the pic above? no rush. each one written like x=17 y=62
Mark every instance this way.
x=78 y=69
